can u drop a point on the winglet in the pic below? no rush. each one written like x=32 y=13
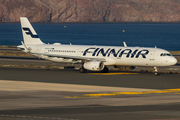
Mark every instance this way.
x=124 y=44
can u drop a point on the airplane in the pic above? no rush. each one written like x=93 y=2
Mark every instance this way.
x=94 y=58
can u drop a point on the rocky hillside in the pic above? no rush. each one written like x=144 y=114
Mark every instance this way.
x=90 y=10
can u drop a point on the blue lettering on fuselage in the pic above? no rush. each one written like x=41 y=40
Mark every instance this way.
x=86 y=51
x=95 y=52
x=133 y=54
x=143 y=54
x=129 y=53
x=113 y=52
x=124 y=52
x=102 y=52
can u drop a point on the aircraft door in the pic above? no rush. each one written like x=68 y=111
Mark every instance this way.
x=79 y=52
x=152 y=55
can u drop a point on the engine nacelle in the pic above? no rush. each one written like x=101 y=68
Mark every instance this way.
x=94 y=65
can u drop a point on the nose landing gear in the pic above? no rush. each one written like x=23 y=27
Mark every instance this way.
x=156 y=71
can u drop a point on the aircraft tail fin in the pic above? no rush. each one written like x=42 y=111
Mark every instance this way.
x=29 y=34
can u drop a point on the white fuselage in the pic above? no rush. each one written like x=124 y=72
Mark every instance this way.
x=113 y=55
x=95 y=58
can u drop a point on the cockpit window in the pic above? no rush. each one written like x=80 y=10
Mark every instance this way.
x=165 y=54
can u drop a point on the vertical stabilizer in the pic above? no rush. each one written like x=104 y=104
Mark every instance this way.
x=29 y=34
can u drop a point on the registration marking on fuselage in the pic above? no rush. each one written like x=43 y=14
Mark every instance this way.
x=121 y=73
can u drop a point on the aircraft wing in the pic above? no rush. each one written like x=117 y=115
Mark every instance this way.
x=71 y=57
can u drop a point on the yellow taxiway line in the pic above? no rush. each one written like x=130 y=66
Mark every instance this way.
x=177 y=90
x=112 y=73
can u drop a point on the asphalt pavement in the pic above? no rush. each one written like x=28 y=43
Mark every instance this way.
x=60 y=94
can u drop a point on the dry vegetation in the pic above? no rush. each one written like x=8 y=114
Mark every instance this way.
x=174 y=52
x=14 y=53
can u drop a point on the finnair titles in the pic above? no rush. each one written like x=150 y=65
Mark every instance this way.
x=94 y=58
x=106 y=53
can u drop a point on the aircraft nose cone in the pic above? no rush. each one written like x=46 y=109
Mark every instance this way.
x=173 y=61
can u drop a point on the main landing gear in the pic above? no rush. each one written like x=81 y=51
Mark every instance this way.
x=105 y=70
x=82 y=70
x=156 y=71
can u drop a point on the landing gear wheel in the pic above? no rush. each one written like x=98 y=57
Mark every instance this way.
x=156 y=74
x=105 y=70
x=156 y=71
x=82 y=70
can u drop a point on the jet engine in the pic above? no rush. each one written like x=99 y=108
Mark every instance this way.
x=94 y=65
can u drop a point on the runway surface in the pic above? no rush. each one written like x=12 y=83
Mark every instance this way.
x=38 y=94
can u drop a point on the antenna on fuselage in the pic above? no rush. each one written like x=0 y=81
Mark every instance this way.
x=124 y=44
x=155 y=47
